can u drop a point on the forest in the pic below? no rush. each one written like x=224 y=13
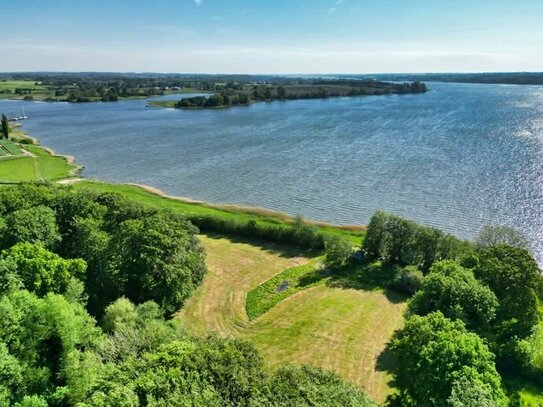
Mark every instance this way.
x=91 y=281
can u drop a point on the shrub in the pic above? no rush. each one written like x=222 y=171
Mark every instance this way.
x=407 y=280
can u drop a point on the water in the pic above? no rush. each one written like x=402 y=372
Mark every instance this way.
x=458 y=157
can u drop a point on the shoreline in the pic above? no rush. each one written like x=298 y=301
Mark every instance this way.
x=235 y=208
x=36 y=142
x=246 y=209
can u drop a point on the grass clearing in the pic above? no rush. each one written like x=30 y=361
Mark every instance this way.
x=21 y=163
x=235 y=267
x=525 y=394
x=329 y=326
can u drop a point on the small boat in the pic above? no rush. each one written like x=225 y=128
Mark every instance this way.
x=17 y=118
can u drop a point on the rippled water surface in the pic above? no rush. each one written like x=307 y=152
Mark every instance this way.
x=458 y=157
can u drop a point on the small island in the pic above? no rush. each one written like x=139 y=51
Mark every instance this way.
x=231 y=94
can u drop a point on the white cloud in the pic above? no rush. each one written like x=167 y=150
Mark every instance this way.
x=198 y=2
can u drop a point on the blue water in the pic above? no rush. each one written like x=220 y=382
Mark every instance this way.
x=458 y=157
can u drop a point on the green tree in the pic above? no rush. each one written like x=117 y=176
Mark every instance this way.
x=513 y=275
x=338 y=250
x=376 y=240
x=456 y=292
x=434 y=355
x=160 y=259
x=306 y=386
x=281 y=92
x=39 y=333
x=40 y=270
x=492 y=235
x=5 y=126
x=33 y=225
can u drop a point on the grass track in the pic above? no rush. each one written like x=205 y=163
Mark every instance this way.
x=343 y=330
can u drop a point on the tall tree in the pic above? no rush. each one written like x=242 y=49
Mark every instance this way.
x=5 y=126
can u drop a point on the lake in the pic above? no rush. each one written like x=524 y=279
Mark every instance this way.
x=459 y=157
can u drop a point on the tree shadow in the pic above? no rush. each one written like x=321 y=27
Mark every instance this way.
x=387 y=361
x=279 y=249
x=362 y=275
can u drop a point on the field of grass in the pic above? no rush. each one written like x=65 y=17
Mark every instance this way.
x=243 y=214
x=38 y=91
x=524 y=394
x=330 y=325
x=38 y=164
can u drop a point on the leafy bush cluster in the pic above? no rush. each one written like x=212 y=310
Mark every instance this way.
x=474 y=313
x=299 y=234
x=111 y=245
x=404 y=242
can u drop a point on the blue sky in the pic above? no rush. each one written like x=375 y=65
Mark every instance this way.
x=272 y=36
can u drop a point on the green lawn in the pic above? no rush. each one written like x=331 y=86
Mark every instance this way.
x=524 y=393
x=329 y=325
x=40 y=166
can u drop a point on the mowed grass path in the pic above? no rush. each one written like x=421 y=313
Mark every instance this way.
x=343 y=330
x=218 y=305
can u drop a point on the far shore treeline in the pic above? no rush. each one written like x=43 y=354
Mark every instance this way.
x=224 y=90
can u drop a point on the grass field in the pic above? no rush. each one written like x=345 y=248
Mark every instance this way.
x=341 y=329
x=243 y=214
x=31 y=163
x=38 y=91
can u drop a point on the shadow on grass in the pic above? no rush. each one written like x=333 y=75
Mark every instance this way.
x=387 y=362
x=279 y=249
x=366 y=276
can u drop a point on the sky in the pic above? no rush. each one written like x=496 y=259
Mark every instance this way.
x=272 y=36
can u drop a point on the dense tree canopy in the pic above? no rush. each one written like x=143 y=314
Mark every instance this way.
x=513 y=275
x=441 y=364
x=404 y=242
x=455 y=292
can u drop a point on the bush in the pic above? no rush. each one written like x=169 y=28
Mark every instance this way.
x=338 y=250
x=408 y=280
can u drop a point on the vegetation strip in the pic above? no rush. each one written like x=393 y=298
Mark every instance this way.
x=265 y=296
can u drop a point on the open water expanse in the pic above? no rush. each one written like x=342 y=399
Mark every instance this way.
x=459 y=157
